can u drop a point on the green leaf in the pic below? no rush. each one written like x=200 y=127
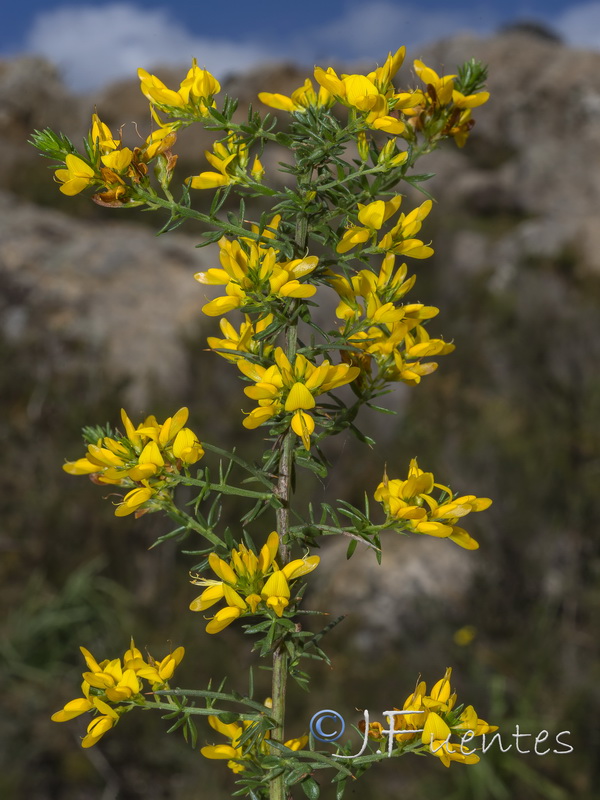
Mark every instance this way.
x=311 y=788
x=228 y=717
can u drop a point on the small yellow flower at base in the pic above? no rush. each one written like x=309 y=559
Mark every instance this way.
x=297 y=744
x=133 y=501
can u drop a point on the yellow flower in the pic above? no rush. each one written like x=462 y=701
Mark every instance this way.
x=387 y=332
x=142 y=461
x=435 y=736
x=101 y=136
x=399 y=240
x=301 y=99
x=193 y=98
x=235 y=343
x=248 y=581
x=433 y=717
x=118 y=160
x=410 y=501
x=230 y=159
x=251 y=271
x=76 y=177
x=370 y=95
x=439 y=89
x=286 y=388
x=158 y=142
x=158 y=673
x=371 y=216
x=115 y=682
x=101 y=724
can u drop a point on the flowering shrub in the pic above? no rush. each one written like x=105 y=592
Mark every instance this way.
x=352 y=142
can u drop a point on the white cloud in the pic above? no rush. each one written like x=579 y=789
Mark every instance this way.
x=580 y=25
x=93 y=46
x=369 y=30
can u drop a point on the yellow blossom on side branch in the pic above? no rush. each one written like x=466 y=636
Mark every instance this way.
x=143 y=460
x=410 y=502
x=110 y=683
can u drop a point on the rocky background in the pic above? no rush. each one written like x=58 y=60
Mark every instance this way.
x=97 y=312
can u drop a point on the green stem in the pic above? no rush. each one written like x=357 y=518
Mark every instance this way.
x=280 y=657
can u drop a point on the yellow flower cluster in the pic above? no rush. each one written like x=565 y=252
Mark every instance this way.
x=371 y=96
x=251 y=273
x=194 y=97
x=112 y=682
x=432 y=716
x=249 y=582
x=143 y=459
x=109 y=164
x=399 y=240
x=440 y=94
x=378 y=106
x=234 y=752
x=410 y=501
x=230 y=158
x=236 y=342
x=300 y=100
x=286 y=388
x=386 y=331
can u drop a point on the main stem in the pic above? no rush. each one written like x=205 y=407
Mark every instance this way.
x=280 y=658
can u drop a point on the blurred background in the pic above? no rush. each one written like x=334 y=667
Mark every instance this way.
x=96 y=313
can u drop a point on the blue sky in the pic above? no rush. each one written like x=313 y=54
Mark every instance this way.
x=95 y=41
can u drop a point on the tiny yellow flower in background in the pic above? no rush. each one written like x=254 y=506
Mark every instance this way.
x=411 y=502
x=465 y=635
